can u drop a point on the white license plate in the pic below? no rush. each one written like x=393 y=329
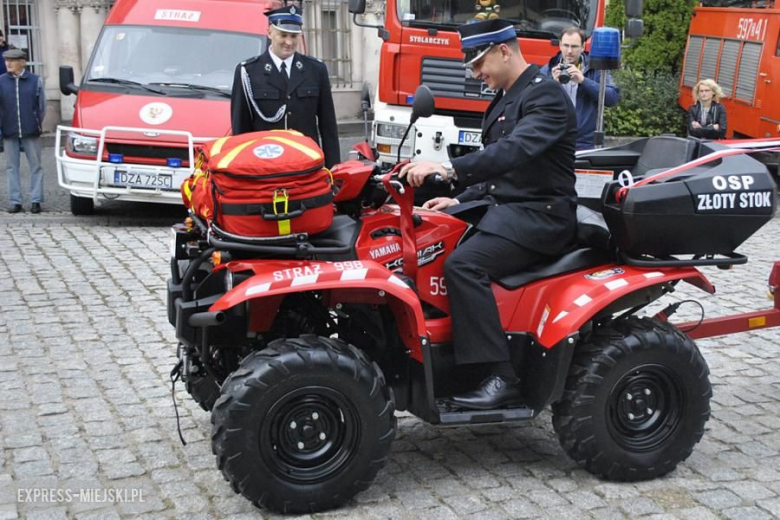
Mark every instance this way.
x=141 y=179
x=470 y=138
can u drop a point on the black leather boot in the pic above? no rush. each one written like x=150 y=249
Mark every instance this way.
x=493 y=392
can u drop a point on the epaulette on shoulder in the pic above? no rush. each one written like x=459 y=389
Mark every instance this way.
x=538 y=79
x=250 y=60
x=310 y=58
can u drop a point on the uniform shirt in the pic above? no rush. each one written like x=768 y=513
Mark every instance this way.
x=278 y=62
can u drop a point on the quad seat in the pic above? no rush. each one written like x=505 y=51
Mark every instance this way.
x=593 y=249
x=663 y=152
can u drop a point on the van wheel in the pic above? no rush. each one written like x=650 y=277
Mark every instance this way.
x=81 y=205
x=303 y=425
x=636 y=401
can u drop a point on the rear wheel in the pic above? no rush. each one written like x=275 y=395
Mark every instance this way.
x=81 y=205
x=303 y=425
x=636 y=401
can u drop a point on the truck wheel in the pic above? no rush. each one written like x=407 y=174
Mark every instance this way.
x=81 y=205
x=636 y=400
x=303 y=425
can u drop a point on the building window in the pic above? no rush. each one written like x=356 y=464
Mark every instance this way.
x=327 y=30
x=22 y=30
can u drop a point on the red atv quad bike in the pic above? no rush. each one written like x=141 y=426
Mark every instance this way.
x=303 y=347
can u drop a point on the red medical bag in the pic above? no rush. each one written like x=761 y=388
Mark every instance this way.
x=262 y=184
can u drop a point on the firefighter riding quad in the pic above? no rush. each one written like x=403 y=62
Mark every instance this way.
x=303 y=346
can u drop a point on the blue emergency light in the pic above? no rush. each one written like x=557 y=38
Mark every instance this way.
x=605 y=48
x=174 y=162
x=116 y=158
x=409 y=99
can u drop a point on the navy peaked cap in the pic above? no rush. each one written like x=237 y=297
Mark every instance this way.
x=477 y=38
x=288 y=18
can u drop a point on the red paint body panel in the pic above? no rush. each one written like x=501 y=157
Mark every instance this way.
x=232 y=15
x=350 y=177
x=274 y=278
x=437 y=236
x=553 y=308
x=201 y=117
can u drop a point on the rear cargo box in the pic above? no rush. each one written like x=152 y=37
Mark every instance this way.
x=707 y=210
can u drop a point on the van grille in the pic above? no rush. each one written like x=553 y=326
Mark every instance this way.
x=448 y=78
x=150 y=152
x=468 y=122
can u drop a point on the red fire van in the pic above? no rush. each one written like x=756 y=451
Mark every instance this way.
x=157 y=84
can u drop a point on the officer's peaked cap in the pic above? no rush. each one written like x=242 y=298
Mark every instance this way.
x=15 y=54
x=288 y=18
x=477 y=38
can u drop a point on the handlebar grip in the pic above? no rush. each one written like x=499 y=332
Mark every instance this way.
x=435 y=181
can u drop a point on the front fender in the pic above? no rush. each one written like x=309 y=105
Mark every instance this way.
x=567 y=303
x=358 y=280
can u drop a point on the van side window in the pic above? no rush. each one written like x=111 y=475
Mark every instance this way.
x=777 y=50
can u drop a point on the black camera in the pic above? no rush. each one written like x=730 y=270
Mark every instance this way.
x=563 y=77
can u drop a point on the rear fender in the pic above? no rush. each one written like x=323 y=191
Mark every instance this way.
x=358 y=281
x=561 y=306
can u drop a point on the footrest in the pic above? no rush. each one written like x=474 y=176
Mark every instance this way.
x=450 y=417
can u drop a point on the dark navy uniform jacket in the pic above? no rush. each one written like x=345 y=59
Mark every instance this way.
x=309 y=103
x=526 y=169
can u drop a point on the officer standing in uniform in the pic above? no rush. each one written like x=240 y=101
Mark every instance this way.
x=284 y=89
x=524 y=177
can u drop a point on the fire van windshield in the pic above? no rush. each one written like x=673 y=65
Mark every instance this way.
x=144 y=55
x=532 y=18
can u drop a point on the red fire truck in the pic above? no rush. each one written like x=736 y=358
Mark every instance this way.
x=735 y=42
x=421 y=46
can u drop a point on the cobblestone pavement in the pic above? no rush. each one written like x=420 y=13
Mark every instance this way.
x=85 y=350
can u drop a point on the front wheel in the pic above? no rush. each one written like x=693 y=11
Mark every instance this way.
x=303 y=425
x=81 y=205
x=636 y=401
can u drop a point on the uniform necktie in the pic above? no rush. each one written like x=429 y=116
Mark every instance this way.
x=285 y=79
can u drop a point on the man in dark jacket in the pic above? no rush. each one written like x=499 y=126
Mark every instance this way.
x=581 y=83
x=4 y=46
x=524 y=176
x=22 y=108
x=284 y=89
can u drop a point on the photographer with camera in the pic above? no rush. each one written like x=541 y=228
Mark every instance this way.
x=571 y=68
